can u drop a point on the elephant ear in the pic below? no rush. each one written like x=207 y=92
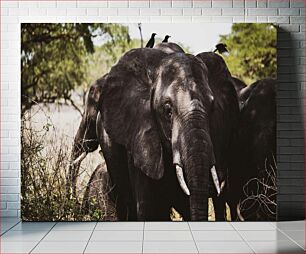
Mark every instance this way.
x=126 y=109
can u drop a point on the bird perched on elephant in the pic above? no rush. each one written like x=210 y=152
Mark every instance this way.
x=254 y=150
x=151 y=42
x=166 y=38
x=221 y=48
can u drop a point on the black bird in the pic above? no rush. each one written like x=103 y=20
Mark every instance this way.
x=166 y=38
x=150 y=43
x=221 y=48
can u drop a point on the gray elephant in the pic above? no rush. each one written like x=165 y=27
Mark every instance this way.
x=223 y=121
x=85 y=140
x=159 y=121
x=253 y=153
x=158 y=129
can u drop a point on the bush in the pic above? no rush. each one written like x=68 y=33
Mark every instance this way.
x=45 y=158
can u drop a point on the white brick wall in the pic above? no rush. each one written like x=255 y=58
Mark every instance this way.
x=288 y=13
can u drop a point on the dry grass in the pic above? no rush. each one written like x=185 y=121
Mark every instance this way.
x=45 y=158
x=98 y=201
x=260 y=192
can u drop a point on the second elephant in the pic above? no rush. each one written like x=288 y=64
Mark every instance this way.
x=253 y=167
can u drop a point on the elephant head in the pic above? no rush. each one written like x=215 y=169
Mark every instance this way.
x=155 y=103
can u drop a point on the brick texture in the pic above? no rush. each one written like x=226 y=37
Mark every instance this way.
x=289 y=14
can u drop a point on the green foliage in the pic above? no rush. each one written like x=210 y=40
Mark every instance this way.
x=53 y=57
x=252 y=50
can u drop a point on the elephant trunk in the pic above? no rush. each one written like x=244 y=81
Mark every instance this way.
x=77 y=156
x=85 y=142
x=197 y=158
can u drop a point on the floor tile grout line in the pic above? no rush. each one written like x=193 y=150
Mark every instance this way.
x=244 y=240
x=290 y=238
x=42 y=238
x=271 y=222
x=143 y=232
x=195 y=243
x=10 y=228
x=90 y=237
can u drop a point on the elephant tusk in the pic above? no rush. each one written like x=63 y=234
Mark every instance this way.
x=222 y=186
x=181 y=180
x=79 y=159
x=215 y=179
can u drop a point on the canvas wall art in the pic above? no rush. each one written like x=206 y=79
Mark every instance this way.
x=148 y=122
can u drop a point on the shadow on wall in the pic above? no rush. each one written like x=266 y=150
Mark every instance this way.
x=290 y=128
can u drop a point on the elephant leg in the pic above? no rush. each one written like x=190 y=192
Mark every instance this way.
x=116 y=159
x=233 y=208
x=183 y=209
x=150 y=203
x=180 y=200
x=220 y=208
x=117 y=166
x=140 y=189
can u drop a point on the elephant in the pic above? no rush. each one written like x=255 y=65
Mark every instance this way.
x=85 y=140
x=154 y=134
x=224 y=120
x=159 y=119
x=157 y=124
x=254 y=147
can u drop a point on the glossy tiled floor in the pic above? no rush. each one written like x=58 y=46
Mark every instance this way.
x=152 y=237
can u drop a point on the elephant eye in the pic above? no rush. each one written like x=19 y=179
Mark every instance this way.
x=168 y=110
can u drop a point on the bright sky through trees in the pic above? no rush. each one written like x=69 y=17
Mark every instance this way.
x=198 y=37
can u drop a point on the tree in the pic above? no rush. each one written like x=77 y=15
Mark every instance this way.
x=53 y=58
x=252 y=50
